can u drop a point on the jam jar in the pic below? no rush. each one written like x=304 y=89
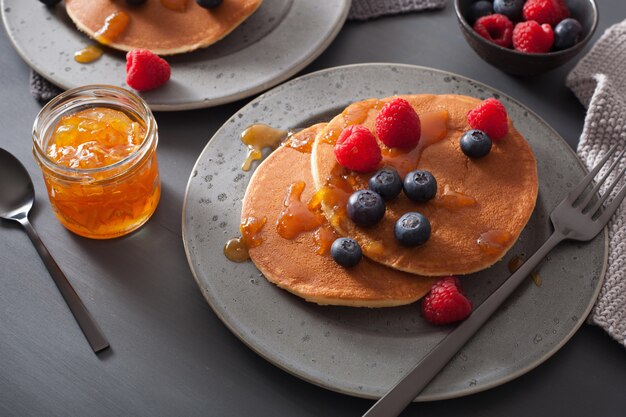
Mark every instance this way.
x=96 y=147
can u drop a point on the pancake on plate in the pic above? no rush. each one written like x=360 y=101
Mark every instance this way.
x=158 y=28
x=481 y=205
x=295 y=264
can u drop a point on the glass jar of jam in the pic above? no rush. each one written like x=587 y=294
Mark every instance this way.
x=96 y=146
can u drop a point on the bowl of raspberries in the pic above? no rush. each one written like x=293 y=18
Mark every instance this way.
x=527 y=37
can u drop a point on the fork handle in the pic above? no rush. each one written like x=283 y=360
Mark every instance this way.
x=87 y=324
x=405 y=391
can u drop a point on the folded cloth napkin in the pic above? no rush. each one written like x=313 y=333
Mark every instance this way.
x=599 y=82
x=43 y=90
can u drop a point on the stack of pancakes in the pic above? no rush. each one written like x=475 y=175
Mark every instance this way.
x=502 y=185
x=163 y=31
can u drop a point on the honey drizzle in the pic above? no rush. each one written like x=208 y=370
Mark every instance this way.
x=257 y=137
x=114 y=25
x=236 y=249
x=493 y=242
x=324 y=237
x=303 y=142
x=88 y=54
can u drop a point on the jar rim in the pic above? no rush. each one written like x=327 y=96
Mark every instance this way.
x=55 y=108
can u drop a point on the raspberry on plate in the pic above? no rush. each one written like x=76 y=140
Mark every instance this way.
x=490 y=117
x=496 y=28
x=545 y=11
x=398 y=125
x=445 y=303
x=532 y=38
x=357 y=149
x=146 y=70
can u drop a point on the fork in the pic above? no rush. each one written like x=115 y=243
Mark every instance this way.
x=580 y=216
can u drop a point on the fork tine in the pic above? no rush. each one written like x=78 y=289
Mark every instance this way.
x=610 y=209
x=595 y=190
x=576 y=192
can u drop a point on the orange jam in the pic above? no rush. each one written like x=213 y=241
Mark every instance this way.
x=324 y=237
x=176 y=5
x=109 y=183
x=454 y=200
x=236 y=249
x=434 y=126
x=296 y=218
x=357 y=113
x=88 y=54
x=303 y=142
x=114 y=25
x=260 y=136
x=494 y=242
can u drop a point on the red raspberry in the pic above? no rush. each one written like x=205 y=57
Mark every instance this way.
x=397 y=125
x=545 y=11
x=490 y=117
x=532 y=38
x=496 y=28
x=357 y=149
x=445 y=303
x=146 y=70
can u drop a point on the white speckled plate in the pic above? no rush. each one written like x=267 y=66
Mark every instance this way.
x=363 y=352
x=277 y=41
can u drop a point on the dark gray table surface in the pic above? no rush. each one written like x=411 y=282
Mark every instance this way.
x=171 y=355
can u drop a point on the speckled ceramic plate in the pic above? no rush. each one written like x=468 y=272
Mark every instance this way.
x=363 y=352
x=277 y=41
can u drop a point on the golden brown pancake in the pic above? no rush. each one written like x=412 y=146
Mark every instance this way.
x=499 y=190
x=163 y=31
x=295 y=265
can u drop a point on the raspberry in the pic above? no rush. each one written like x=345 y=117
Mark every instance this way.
x=146 y=70
x=357 y=149
x=545 y=11
x=490 y=117
x=445 y=303
x=496 y=28
x=397 y=125
x=532 y=38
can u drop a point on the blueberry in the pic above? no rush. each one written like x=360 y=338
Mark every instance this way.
x=365 y=207
x=135 y=2
x=479 y=9
x=50 y=2
x=475 y=143
x=209 y=4
x=420 y=186
x=387 y=183
x=566 y=34
x=510 y=8
x=346 y=252
x=412 y=229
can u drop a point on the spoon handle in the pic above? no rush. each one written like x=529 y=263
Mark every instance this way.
x=87 y=324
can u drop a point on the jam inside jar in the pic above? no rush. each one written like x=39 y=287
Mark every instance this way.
x=96 y=146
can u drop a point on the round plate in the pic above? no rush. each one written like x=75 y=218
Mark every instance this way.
x=277 y=41
x=363 y=352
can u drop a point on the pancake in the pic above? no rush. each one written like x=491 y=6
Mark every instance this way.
x=163 y=31
x=295 y=265
x=491 y=198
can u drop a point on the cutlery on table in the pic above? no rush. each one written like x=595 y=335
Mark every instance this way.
x=580 y=216
x=17 y=196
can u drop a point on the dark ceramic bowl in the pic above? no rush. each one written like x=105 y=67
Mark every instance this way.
x=518 y=63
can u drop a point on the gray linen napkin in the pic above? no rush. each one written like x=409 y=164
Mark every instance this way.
x=599 y=82
x=43 y=90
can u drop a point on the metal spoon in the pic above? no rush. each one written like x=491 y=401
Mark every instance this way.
x=17 y=195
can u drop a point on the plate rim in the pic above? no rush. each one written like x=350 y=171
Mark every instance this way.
x=422 y=398
x=276 y=80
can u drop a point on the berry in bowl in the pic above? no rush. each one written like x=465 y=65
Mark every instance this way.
x=527 y=37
